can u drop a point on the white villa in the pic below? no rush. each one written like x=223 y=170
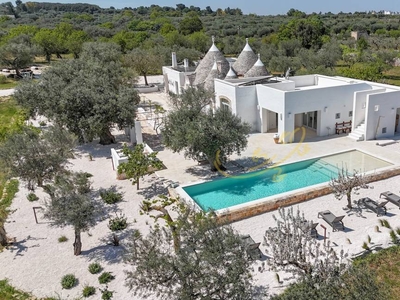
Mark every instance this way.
x=282 y=104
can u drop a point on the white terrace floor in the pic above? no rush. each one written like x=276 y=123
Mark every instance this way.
x=37 y=261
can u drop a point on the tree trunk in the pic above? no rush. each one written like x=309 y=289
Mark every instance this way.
x=3 y=236
x=145 y=79
x=40 y=181
x=137 y=184
x=106 y=138
x=348 y=194
x=77 y=244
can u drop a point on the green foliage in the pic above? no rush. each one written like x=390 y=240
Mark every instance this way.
x=12 y=117
x=110 y=196
x=143 y=62
x=62 y=239
x=385 y=223
x=3 y=79
x=88 y=291
x=203 y=251
x=393 y=237
x=11 y=188
x=365 y=246
x=106 y=277
x=370 y=71
x=181 y=129
x=355 y=283
x=7 y=292
x=118 y=223
x=95 y=268
x=68 y=281
x=106 y=294
x=89 y=103
x=37 y=156
x=139 y=163
x=190 y=23
x=32 y=197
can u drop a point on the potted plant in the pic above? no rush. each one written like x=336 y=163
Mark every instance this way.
x=276 y=138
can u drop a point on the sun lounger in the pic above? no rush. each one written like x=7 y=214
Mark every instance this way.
x=391 y=197
x=252 y=248
x=331 y=219
x=378 y=208
x=310 y=227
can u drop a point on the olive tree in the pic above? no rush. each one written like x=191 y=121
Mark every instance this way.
x=71 y=204
x=198 y=131
x=139 y=163
x=143 y=62
x=36 y=156
x=347 y=183
x=88 y=95
x=294 y=250
x=209 y=262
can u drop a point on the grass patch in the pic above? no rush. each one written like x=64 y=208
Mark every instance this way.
x=9 y=84
x=386 y=265
x=12 y=117
x=8 y=292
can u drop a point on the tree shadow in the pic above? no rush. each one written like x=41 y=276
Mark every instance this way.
x=108 y=251
x=20 y=246
x=153 y=141
x=158 y=186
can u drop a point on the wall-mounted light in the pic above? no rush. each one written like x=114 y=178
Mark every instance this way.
x=325 y=108
x=289 y=115
x=376 y=107
x=258 y=107
x=363 y=105
x=280 y=116
x=392 y=110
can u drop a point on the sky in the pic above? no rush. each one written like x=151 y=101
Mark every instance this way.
x=266 y=7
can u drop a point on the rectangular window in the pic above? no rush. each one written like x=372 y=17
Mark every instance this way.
x=384 y=130
x=338 y=116
x=350 y=114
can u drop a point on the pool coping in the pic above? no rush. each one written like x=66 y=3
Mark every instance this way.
x=266 y=204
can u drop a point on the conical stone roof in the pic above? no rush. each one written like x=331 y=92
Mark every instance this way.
x=231 y=74
x=257 y=70
x=247 y=58
x=206 y=64
x=209 y=82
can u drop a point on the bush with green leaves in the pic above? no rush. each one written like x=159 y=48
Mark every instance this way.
x=68 y=281
x=88 y=291
x=117 y=223
x=62 y=239
x=106 y=294
x=32 y=197
x=3 y=79
x=110 y=196
x=95 y=268
x=106 y=277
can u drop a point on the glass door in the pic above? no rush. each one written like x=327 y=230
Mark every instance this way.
x=310 y=119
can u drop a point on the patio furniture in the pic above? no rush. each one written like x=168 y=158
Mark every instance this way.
x=391 y=197
x=378 y=208
x=311 y=227
x=252 y=248
x=331 y=219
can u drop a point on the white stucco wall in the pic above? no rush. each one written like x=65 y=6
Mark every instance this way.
x=329 y=101
x=247 y=106
x=174 y=80
x=227 y=91
x=381 y=108
x=359 y=106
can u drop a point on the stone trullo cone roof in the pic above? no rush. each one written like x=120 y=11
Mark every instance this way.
x=257 y=70
x=206 y=64
x=247 y=58
x=209 y=82
x=231 y=74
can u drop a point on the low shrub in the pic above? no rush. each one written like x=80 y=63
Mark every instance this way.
x=68 y=281
x=117 y=223
x=106 y=277
x=32 y=197
x=3 y=79
x=88 y=291
x=42 y=123
x=111 y=196
x=62 y=239
x=95 y=268
x=106 y=294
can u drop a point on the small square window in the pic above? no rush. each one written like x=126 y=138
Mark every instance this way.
x=384 y=130
x=338 y=116
x=350 y=114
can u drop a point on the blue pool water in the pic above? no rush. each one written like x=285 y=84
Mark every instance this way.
x=227 y=192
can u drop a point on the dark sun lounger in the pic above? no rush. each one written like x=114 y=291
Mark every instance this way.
x=331 y=219
x=378 y=208
x=311 y=227
x=252 y=248
x=391 y=197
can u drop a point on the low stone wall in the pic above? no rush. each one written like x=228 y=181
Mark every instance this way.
x=147 y=89
x=252 y=210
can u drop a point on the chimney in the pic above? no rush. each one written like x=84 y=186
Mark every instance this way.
x=186 y=63
x=174 y=61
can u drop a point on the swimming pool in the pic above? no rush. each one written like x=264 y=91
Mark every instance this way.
x=244 y=188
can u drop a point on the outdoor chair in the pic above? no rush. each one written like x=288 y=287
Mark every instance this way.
x=331 y=219
x=391 y=197
x=252 y=248
x=311 y=227
x=378 y=208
